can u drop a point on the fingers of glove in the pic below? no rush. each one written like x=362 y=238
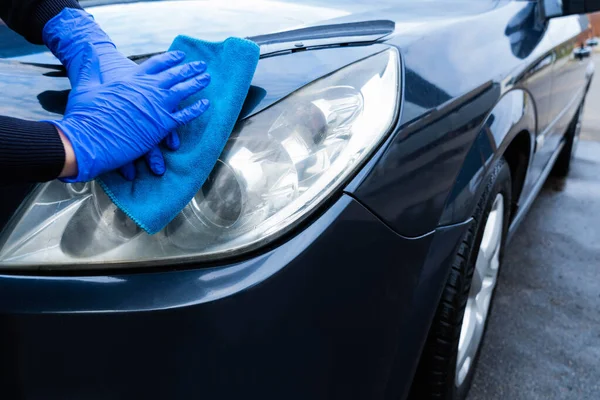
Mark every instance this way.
x=162 y=62
x=185 y=89
x=172 y=141
x=180 y=73
x=155 y=161
x=194 y=111
x=128 y=171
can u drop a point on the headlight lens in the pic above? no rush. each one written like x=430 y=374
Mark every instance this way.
x=276 y=167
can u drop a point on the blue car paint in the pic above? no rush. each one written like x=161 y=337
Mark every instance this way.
x=513 y=115
x=317 y=317
x=341 y=306
x=453 y=80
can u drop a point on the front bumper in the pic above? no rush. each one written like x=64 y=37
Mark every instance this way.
x=320 y=316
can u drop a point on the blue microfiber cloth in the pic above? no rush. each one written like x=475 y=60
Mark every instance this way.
x=152 y=201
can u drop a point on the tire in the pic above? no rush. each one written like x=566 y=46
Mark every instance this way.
x=562 y=166
x=438 y=376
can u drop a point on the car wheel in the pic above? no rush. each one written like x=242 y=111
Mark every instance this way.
x=563 y=162
x=448 y=360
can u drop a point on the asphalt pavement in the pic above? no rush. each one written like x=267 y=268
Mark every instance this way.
x=543 y=337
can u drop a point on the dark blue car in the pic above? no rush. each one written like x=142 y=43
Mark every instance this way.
x=347 y=244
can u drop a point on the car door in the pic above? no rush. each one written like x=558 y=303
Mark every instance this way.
x=534 y=34
x=568 y=75
x=556 y=79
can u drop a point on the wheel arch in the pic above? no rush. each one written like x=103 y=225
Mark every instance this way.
x=518 y=156
x=508 y=131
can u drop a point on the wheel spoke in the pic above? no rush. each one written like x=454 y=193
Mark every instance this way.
x=483 y=298
x=495 y=262
x=478 y=273
x=491 y=235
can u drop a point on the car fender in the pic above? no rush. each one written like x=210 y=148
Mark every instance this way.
x=514 y=114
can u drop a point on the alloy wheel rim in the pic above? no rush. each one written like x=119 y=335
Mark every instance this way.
x=485 y=276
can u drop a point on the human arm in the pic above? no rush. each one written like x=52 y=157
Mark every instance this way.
x=29 y=150
x=28 y=17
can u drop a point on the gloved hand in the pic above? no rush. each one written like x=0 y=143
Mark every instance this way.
x=111 y=124
x=66 y=35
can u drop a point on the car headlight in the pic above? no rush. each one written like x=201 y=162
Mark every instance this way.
x=276 y=167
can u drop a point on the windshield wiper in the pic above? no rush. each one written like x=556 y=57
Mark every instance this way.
x=364 y=32
x=323 y=35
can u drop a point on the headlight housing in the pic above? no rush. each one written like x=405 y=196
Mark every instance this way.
x=276 y=167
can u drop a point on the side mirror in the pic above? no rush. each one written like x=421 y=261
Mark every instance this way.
x=551 y=8
x=559 y=8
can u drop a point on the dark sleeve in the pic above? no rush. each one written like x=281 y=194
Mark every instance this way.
x=29 y=151
x=28 y=17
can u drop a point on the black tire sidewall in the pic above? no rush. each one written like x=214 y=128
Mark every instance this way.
x=562 y=166
x=500 y=182
x=435 y=376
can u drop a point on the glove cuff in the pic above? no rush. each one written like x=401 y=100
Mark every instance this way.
x=41 y=13
x=67 y=32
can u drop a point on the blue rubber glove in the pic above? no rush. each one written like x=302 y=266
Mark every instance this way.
x=66 y=35
x=111 y=124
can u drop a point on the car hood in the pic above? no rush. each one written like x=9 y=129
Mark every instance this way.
x=148 y=27
x=143 y=27
x=35 y=87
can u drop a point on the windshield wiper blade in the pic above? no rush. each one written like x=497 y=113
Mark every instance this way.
x=324 y=35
